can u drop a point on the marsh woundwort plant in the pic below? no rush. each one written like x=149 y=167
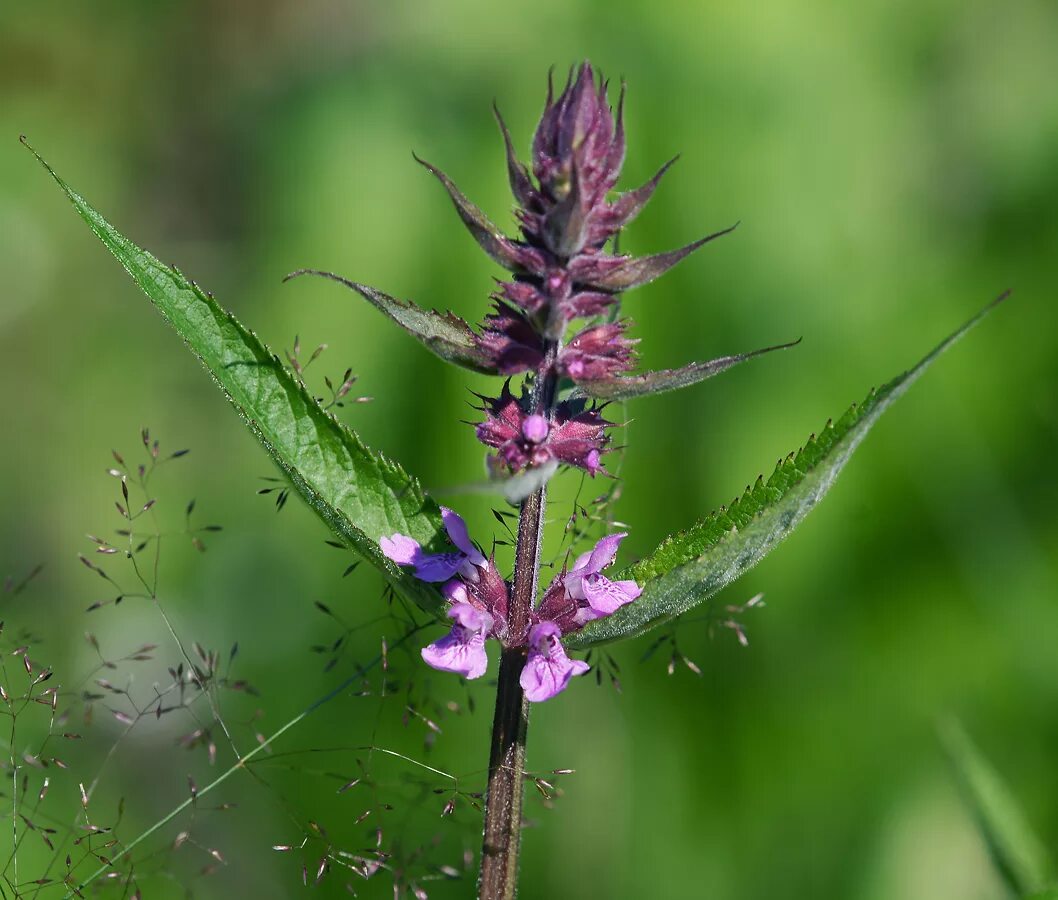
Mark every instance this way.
x=556 y=326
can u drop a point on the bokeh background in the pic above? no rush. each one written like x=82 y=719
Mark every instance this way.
x=894 y=166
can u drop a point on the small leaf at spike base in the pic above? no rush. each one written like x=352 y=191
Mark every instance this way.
x=623 y=273
x=629 y=386
x=447 y=335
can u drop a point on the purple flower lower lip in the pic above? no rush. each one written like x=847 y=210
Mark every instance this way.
x=462 y=650
x=585 y=581
x=547 y=669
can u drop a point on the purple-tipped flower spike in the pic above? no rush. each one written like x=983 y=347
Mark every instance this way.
x=562 y=271
x=462 y=650
x=547 y=669
x=577 y=158
x=466 y=560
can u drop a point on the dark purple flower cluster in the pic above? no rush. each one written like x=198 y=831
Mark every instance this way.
x=574 y=434
x=560 y=273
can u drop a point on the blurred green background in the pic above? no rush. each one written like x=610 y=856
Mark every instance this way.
x=894 y=166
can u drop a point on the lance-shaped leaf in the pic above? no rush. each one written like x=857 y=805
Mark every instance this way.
x=360 y=494
x=690 y=567
x=1017 y=852
x=510 y=254
x=447 y=335
x=622 y=273
x=628 y=386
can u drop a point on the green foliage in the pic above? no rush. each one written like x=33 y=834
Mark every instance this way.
x=357 y=492
x=1018 y=853
x=690 y=567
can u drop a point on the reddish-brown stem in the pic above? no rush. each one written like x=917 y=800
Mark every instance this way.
x=503 y=801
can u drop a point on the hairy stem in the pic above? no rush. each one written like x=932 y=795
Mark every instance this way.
x=503 y=802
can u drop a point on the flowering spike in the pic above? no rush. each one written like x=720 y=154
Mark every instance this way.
x=562 y=272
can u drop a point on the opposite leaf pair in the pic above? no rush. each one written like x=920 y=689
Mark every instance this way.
x=362 y=496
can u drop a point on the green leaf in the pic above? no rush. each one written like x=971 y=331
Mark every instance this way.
x=1017 y=852
x=690 y=567
x=358 y=493
x=645 y=383
x=449 y=336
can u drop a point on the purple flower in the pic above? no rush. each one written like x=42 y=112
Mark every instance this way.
x=586 y=582
x=547 y=670
x=462 y=650
x=583 y=593
x=465 y=561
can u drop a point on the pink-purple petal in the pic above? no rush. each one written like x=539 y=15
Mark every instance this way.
x=462 y=650
x=605 y=552
x=581 y=563
x=605 y=596
x=458 y=652
x=455 y=591
x=547 y=670
x=458 y=534
x=401 y=549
